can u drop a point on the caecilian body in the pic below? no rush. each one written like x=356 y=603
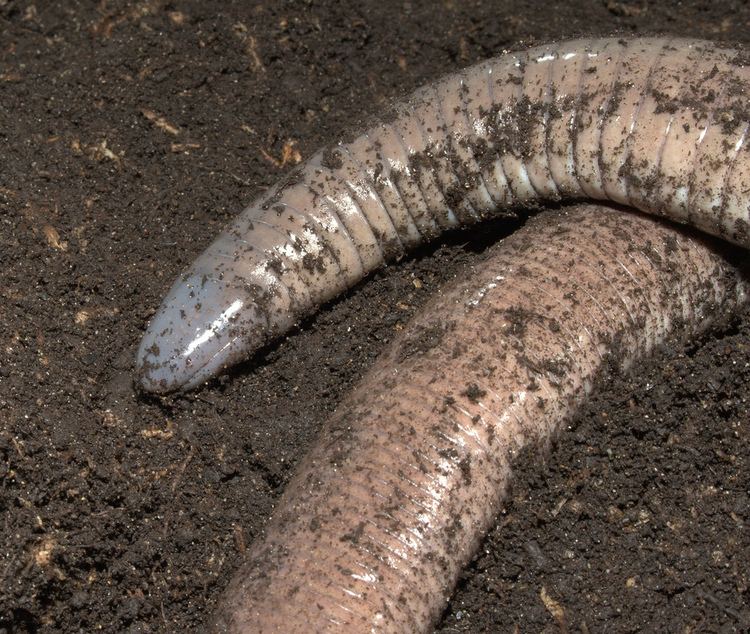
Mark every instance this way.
x=409 y=473
x=392 y=501
x=656 y=124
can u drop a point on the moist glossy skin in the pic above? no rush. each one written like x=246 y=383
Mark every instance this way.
x=659 y=125
x=409 y=473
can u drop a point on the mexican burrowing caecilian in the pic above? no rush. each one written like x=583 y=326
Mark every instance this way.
x=408 y=473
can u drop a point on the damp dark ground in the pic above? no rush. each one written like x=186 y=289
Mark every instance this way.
x=130 y=134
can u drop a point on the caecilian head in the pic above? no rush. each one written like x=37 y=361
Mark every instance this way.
x=209 y=320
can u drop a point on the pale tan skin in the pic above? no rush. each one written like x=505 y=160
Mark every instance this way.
x=409 y=473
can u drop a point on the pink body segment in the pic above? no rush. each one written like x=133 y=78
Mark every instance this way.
x=409 y=473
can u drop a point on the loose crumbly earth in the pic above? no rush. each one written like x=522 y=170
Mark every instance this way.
x=131 y=132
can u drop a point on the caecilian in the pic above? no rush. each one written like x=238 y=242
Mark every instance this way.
x=410 y=470
x=656 y=124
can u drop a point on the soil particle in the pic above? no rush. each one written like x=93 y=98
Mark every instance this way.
x=131 y=133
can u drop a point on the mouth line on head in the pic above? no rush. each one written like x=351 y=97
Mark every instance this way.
x=190 y=381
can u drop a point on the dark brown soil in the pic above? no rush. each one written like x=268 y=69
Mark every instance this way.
x=130 y=133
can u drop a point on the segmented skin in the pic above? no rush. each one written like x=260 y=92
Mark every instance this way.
x=656 y=124
x=409 y=473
